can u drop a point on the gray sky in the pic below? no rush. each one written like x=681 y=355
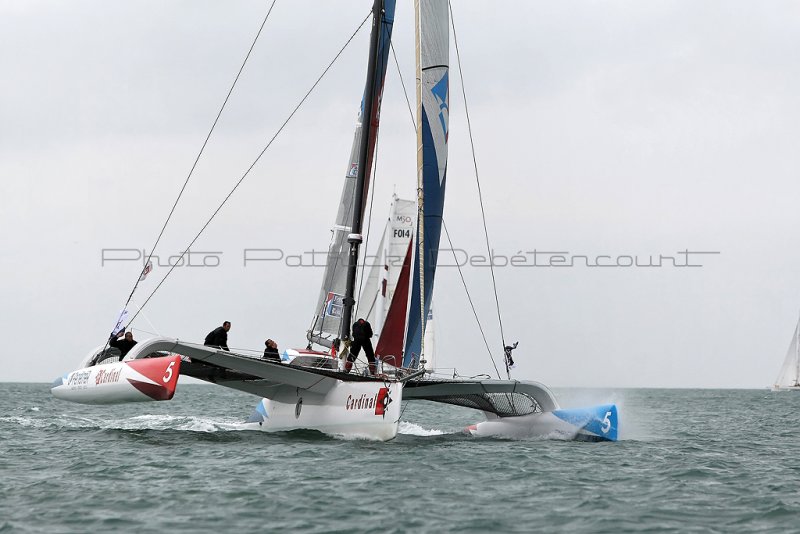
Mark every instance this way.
x=601 y=129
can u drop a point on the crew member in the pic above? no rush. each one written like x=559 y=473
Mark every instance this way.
x=124 y=345
x=362 y=337
x=218 y=337
x=271 y=352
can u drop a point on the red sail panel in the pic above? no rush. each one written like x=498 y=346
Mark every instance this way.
x=390 y=344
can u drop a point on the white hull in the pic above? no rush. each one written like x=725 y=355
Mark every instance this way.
x=367 y=410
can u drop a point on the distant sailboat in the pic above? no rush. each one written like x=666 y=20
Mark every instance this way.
x=789 y=376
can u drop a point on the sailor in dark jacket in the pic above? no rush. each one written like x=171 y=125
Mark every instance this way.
x=362 y=337
x=124 y=345
x=271 y=352
x=218 y=337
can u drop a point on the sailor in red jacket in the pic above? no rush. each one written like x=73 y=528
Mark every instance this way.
x=362 y=337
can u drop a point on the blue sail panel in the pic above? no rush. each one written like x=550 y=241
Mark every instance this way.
x=433 y=136
x=434 y=207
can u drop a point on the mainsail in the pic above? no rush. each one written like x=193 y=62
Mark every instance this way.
x=430 y=342
x=433 y=117
x=789 y=376
x=330 y=305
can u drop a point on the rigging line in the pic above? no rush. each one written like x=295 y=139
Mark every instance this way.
x=405 y=92
x=469 y=297
x=202 y=149
x=148 y=321
x=252 y=165
x=477 y=179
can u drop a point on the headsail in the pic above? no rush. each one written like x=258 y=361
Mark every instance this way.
x=390 y=344
x=328 y=313
x=385 y=265
x=433 y=114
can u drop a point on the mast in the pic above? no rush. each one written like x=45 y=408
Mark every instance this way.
x=797 y=354
x=420 y=183
x=355 y=238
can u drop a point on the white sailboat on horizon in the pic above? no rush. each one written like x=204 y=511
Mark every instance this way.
x=789 y=376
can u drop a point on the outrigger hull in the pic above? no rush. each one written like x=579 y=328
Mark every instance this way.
x=598 y=423
x=152 y=379
x=518 y=409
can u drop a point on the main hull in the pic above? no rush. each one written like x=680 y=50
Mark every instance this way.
x=367 y=410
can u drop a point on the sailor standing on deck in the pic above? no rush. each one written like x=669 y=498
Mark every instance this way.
x=362 y=337
x=218 y=337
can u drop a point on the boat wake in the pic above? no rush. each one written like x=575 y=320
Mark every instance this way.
x=186 y=423
x=412 y=429
x=139 y=422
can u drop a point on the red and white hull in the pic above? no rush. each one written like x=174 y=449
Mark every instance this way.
x=147 y=379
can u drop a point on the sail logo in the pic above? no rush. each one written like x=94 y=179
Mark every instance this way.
x=353 y=173
x=440 y=92
x=334 y=304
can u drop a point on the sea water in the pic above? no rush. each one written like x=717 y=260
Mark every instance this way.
x=688 y=461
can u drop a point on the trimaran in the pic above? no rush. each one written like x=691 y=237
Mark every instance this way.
x=308 y=390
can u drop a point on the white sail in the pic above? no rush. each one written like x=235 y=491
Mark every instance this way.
x=327 y=317
x=789 y=376
x=387 y=262
x=430 y=341
x=370 y=300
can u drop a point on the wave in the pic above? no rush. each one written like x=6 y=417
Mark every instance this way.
x=413 y=429
x=139 y=422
